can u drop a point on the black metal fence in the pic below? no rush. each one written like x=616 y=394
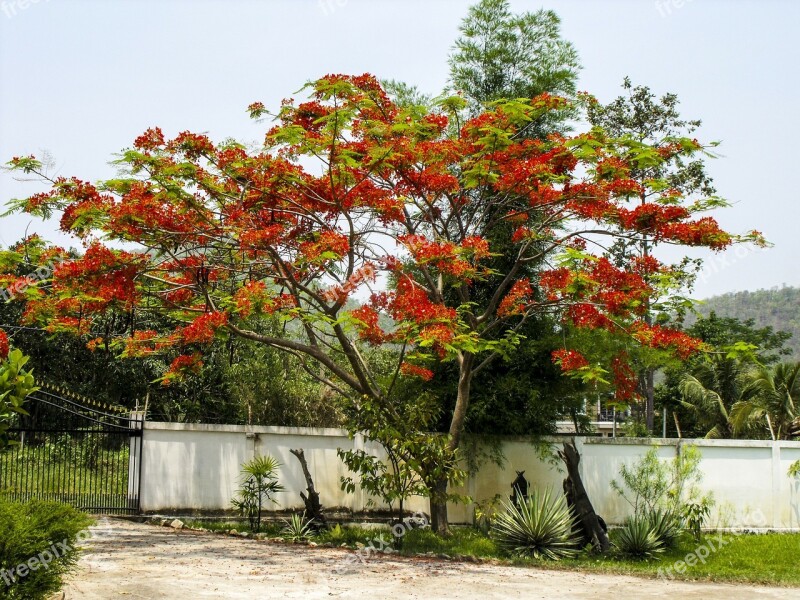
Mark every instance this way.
x=66 y=451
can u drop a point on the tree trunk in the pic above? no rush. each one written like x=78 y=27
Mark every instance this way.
x=579 y=501
x=313 y=505
x=650 y=395
x=439 y=522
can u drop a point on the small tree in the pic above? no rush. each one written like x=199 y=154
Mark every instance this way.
x=260 y=484
x=415 y=458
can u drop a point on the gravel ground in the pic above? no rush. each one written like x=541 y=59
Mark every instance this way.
x=131 y=560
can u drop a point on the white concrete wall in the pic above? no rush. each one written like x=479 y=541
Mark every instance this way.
x=197 y=467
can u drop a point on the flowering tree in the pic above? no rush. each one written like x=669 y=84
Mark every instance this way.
x=357 y=213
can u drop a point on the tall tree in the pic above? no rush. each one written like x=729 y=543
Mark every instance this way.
x=642 y=118
x=500 y=54
x=348 y=191
x=771 y=398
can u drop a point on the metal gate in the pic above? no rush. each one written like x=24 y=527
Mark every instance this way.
x=68 y=451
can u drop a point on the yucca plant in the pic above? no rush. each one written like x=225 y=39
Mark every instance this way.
x=637 y=539
x=665 y=525
x=540 y=527
x=297 y=529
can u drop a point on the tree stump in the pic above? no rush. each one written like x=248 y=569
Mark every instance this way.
x=313 y=505
x=579 y=503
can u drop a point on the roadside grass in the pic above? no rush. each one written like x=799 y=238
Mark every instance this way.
x=770 y=559
x=767 y=559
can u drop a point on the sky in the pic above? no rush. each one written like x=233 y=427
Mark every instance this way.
x=80 y=79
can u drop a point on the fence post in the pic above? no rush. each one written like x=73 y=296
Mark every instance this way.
x=135 y=460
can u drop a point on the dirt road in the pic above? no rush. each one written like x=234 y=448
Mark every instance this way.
x=129 y=560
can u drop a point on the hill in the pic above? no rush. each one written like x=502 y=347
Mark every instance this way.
x=778 y=308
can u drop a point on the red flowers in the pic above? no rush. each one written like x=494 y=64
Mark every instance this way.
x=516 y=300
x=368 y=327
x=4 y=345
x=569 y=360
x=328 y=245
x=203 y=328
x=412 y=370
x=183 y=366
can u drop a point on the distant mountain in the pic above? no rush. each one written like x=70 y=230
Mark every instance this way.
x=778 y=308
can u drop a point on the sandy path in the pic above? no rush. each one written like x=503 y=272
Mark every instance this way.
x=129 y=560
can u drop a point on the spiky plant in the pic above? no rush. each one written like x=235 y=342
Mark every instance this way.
x=297 y=529
x=666 y=525
x=540 y=527
x=637 y=539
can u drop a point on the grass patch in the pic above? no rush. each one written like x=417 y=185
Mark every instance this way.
x=767 y=559
x=464 y=541
x=269 y=529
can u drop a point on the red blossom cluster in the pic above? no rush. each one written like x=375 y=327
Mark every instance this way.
x=569 y=360
x=656 y=336
x=332 y=242
x=4 y=345
x=626 y=381
x=203 y=328
x=183 y=365
x=411 y=370
x=369 y=328
x=515 y=302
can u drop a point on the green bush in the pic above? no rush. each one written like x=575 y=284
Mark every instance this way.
x=35 y=533
x=638 y=539
x=541 y=528
x=666 y=526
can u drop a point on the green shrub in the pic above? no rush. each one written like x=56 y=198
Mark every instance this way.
x=541 y=527
x=666 y=525
x=33 y=534
x=637 y=539
x=298 y=529
x=260 y=484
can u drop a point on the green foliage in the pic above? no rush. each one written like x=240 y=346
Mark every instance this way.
x=16 y=384
x=714 y=383
x=637 y=539
x=771 y=397
x=694 y=513
x=504 y=55
x=541 y=527
x=666 y=525
x=486 y=512
x=260 y=484
x=297 y=529
x=774 y=309
x=464 y=541
x=665 y=495
x=416 y=459
x=30 y=530
x=794 y=469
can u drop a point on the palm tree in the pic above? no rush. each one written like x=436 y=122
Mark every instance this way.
x=710 y=392
x=771 y=395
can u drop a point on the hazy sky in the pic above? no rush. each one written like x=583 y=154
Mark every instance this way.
x=81 y=79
